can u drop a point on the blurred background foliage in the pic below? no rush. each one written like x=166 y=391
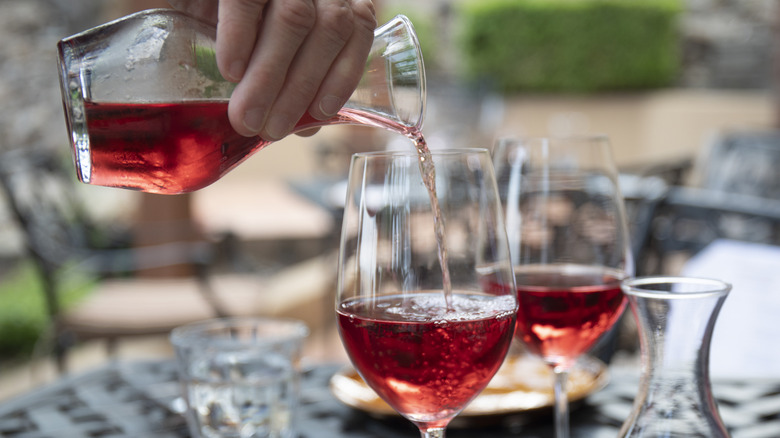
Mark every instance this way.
x=24 y=319
x=553 y=45
x=565 y=45
x=424 y=26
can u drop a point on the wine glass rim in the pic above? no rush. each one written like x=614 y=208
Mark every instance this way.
x=273 y=330
x=688 y=287
x=414 y=153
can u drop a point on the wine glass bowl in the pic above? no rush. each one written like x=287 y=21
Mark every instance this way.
x=427 y=342
x=568 y=237
x=564 y=309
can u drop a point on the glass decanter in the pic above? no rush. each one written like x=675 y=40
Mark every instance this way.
x=146 y=106
x=675 y=317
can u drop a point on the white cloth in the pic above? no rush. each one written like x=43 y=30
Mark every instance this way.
x=746 y=340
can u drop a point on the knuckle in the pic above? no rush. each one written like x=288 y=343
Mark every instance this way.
x=337 y=20
x=241 y=11
x=365 y=15
x=298 y=15
x=248 y=6
x=233 y=22
x=304 y=88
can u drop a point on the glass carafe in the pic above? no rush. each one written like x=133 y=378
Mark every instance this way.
x=675 y=317
x=146 y=106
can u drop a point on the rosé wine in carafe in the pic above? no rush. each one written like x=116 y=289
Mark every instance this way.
x=146 y=106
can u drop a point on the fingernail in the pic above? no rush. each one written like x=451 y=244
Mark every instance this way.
x=330 y=105
x=278 y=126
x=253 y=120
x=236 y=71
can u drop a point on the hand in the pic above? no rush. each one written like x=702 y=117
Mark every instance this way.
x=287 y=56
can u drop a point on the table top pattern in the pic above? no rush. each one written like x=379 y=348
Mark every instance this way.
x=140 y=400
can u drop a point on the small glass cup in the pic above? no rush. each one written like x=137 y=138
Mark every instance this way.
x=240 y=376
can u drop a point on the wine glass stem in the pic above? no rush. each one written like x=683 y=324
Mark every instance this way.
x=561 y=404
x=434 y=432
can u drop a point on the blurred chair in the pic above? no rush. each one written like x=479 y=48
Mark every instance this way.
x=737 y=197
x=743 y=162
x=61 y=239
x=689 y=219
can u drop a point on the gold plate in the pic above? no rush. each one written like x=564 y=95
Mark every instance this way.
x=522 y=385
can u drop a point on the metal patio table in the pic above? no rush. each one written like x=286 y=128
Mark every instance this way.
x=139 y=399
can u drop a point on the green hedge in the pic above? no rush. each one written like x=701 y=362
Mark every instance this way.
x=571 y=45
x=23 y=314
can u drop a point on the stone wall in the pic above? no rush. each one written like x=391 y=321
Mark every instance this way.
x=31 y=109
x=728 y=43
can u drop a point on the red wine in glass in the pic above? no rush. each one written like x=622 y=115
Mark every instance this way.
x=564 y=309
x=426 y=361
x=569 y=235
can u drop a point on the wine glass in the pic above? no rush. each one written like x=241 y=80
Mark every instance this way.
x=427 y=330
x=568 y=238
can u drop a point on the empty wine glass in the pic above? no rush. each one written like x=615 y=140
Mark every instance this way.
x=569 y=242
x=426 y=329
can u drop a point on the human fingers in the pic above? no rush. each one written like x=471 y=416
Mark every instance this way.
x=348 y=67
x=237 y=32
x=286 y=24
x=308 y=132
x=237 y=24
x=331 y=31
